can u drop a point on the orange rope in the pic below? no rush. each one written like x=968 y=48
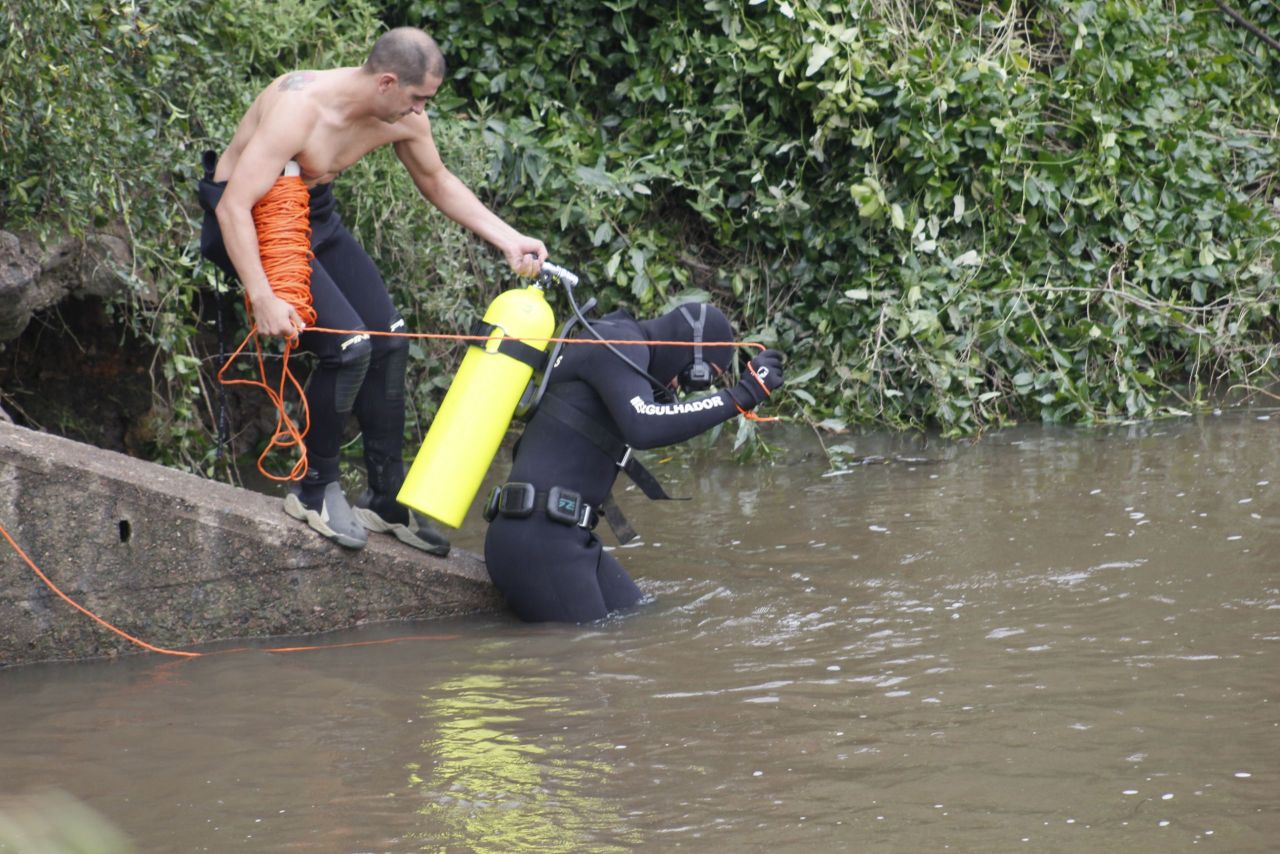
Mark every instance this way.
x=748 y=414
x=86 y=611
x=282 y=218
x=448 y=336
x=181 y=654
x=354 y=644
x=287 y=434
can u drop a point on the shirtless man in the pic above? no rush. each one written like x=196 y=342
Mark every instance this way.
x=324 y=121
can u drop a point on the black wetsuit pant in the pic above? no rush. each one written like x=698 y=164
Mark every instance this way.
x=359 y=373
x=549 y=571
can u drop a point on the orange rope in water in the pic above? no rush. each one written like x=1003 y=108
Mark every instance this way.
x=282 y=218
x=181 y=654
x=64 y=597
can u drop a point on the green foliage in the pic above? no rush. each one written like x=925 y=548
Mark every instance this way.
x=950 y=214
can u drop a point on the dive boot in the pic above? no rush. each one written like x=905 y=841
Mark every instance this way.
x=333 y=518
x=379 y=514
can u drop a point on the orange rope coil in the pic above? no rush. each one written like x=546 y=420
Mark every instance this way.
x=283 y=220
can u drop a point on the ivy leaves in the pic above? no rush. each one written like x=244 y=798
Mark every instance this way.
x=973 y=213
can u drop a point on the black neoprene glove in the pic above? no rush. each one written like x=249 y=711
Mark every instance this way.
x=749 y=393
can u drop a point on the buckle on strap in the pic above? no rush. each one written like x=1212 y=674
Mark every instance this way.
x=626 y=458
x=567 y=507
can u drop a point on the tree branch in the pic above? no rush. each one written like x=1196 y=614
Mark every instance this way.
x=1247 y=24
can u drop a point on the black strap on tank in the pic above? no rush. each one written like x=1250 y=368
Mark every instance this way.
x=518 y=350
x=532 y=397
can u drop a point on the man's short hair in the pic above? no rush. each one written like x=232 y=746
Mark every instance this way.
x=408 y=53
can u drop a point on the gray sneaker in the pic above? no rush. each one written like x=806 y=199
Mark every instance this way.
x=334 y=519
x=416 y=532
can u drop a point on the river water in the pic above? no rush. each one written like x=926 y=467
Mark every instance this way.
x=1045 y=640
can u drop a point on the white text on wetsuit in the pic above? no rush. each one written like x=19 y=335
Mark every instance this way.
x=676 y=408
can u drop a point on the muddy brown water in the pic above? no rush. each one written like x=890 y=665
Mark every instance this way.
x=1048 y=640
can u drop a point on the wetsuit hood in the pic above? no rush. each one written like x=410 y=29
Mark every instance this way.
x=667 y=362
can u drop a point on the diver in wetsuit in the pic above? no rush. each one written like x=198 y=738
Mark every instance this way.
x=540 y=549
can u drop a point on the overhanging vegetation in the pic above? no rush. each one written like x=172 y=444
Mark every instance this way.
x=955 y=215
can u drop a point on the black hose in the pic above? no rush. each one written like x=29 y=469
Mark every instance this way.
x=568 y=281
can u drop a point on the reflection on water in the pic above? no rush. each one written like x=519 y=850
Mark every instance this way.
x=502 y=772
x=1045 y=640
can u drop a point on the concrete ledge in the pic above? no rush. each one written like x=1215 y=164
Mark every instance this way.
x=177 y=560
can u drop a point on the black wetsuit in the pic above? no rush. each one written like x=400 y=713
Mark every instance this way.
x=359 y=373
x=551 y=571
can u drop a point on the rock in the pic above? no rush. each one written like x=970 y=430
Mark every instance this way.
x=34 y=277
x=19 y=288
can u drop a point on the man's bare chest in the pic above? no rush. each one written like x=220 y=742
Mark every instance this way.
x=330 y=151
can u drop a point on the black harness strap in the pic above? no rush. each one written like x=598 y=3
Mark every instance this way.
x=209 y=194
x=617 y=522
x=617 y=450
x=224 y=419
x=518 y=350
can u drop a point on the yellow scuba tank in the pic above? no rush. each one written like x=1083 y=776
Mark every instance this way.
x=477 y=409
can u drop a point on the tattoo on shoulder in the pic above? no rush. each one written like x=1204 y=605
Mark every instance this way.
x=296 y=80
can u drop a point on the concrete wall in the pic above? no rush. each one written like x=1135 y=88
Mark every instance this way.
x=177 y=560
